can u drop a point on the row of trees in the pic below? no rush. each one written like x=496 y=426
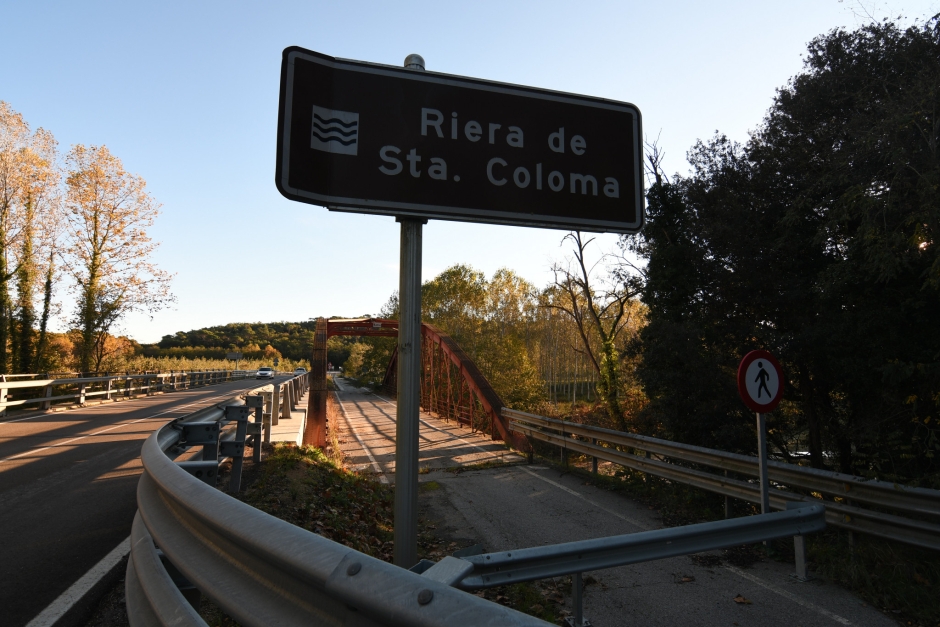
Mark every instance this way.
x=293 y=340
x=816 y=240
x=80 y=221
x=563 y=343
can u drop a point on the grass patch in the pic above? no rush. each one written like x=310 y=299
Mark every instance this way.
x=305 y=488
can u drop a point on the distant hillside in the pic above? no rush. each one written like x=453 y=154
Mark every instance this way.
x=293 y=340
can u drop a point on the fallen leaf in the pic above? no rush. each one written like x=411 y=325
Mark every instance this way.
x=740 y=600
x=686 y=579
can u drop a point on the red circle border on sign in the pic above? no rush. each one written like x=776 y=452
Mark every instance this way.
x=742 y=383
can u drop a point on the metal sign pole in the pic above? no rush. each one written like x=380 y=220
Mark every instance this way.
x=762 y=456
x=409 y=372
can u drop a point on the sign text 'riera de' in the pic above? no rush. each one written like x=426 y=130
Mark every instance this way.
x=370 y=138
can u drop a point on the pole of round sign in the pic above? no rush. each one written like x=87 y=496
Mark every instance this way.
x=762 y=457
x=409 y=382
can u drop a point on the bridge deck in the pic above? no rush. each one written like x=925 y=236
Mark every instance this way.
x=441 y=444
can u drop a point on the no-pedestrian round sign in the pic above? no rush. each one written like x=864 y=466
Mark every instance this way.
x=760 y=381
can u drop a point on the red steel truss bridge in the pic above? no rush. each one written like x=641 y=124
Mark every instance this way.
x=452 y=387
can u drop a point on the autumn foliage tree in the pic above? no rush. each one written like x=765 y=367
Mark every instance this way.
x=109 y=252
x=29 y=212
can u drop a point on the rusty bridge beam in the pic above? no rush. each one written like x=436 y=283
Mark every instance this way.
x=477 y=385
x=365 y=327
x=315 y=429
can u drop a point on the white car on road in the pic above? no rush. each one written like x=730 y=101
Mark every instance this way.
x=265 y=372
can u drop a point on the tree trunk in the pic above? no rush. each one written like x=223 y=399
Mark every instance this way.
x=4 y=312
x=89 y=323
x=813 y=427
x=46 y=304
x=26 y=314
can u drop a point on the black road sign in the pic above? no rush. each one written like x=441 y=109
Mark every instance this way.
x=369 y=138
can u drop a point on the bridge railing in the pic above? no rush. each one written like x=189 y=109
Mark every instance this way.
x=45 y=392
x=854 y=503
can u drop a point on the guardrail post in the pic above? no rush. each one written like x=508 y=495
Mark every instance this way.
x=236 y=448
x=255 y=429
x=727 y=502
x=210 y=451
x=266 y=415
x=288 y=402
x=275 y=404
x=107 y=392
x=81 y=393
x=799 y=548
x=3 y=397
x=564 y=448
x=577 y=602
x=594 y=457
x=47 y=405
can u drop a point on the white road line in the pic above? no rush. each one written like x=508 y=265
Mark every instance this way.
x=375 y=464
x=586 y=499
x=55 y=610
x=807 y=604
x=76 y=410
x=123 y=424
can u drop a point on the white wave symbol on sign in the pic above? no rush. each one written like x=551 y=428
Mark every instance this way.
x=335 y=131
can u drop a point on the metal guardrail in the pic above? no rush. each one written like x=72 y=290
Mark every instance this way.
x=542 y=562
x=261 y=570
x=282 y=397
x=80 y=389
x=851 y=491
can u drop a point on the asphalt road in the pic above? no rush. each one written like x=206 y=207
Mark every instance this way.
x=68 y=490
x=521 y=505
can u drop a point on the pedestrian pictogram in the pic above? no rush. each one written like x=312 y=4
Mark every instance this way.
x=760 y=381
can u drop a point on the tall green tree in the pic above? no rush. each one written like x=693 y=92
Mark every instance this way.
x=816 y=240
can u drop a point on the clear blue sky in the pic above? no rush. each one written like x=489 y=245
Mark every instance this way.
x=185 y=93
